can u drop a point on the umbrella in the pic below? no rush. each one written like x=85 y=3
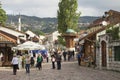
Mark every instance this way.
x=29 y=45
x=44 y=52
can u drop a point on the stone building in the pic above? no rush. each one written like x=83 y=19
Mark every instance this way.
x=99 y=44
x=107 y=52
x=108 y=47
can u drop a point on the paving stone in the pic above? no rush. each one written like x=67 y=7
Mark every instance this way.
x=69 y=71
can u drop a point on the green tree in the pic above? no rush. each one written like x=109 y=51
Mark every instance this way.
x=3 y=16
x=67 y=15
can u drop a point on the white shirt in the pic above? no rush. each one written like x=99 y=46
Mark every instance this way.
x=15 y=60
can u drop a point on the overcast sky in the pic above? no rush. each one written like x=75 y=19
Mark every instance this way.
x=48 y=8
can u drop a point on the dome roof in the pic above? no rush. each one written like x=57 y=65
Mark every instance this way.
x=70 y=31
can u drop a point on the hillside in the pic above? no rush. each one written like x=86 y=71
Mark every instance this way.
x=45 y=25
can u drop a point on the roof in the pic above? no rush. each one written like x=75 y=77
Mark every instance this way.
x=111 y=16
x=13 y=32
x=13 y=29
x=5 y=38
x=69 y=35
x=70 y=31
x=30 y=33
x=93 y=33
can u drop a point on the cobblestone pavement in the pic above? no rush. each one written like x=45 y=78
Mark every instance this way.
x=69 y=71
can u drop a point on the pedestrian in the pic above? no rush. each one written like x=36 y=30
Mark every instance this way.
x=23 y=61
x=58 y=59
x=15 y=64
x=64 y=55
x=32 y=61
x=53 y=61
x=73 y=54
x=47 y=58
x=79 y=55
x=39 y=61
x=69 y=55
x=27 y=64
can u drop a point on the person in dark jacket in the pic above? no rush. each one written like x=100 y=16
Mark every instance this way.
x=32 y=61
x=58 y=59
x=64 y=55
x=79 y=55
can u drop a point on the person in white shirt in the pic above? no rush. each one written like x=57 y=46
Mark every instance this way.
x=15 y=64
x=27 y=62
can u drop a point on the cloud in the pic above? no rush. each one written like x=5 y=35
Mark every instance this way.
x=40 y=8
x=97 y=7
x=48 y=8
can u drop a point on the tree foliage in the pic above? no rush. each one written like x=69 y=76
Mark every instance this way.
x=3 y=16
x=67 y=15
x=114 y=33
x=61 y=40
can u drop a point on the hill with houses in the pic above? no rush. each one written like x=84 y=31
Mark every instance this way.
x=46 y=25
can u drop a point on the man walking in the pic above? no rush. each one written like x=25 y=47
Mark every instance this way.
x=15 y=64
x=58 y=59
x=27 y=62
x=79 y=55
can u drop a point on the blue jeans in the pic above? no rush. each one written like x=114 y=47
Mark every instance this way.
x=27 y=67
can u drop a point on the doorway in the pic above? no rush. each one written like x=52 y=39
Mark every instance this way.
x=103 y=50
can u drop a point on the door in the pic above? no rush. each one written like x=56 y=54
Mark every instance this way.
x=104 y=61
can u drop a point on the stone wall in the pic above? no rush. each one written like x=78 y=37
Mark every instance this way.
x=114 y=66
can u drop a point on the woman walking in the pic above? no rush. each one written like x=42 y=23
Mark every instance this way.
x=39 y=61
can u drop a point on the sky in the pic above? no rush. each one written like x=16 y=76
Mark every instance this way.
x=48 y=8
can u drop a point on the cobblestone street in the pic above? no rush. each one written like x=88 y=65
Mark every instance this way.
x=69 y=71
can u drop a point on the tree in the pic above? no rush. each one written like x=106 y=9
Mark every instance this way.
x=67 y=15
x=3 y=16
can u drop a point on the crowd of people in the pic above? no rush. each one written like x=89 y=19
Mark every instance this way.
x=56 y=57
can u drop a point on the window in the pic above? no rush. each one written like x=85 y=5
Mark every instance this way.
x=117 y=53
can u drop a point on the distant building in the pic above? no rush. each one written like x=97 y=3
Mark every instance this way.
x=32 y=36
x=52 y=39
